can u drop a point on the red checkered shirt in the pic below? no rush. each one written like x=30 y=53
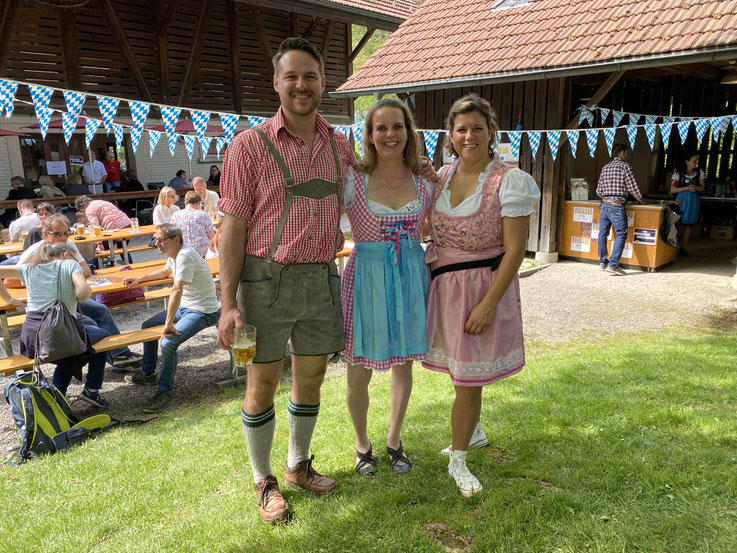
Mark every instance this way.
x=616 y=180
x=252 y=188
x=105 y=214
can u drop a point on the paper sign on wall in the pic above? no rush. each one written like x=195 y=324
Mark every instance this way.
x=583 y=214
x=506 y=154
x=627 y=252
x=595 y=231
x=645 y=236
x=630 y=218
x=56 y=167
x=580 y=244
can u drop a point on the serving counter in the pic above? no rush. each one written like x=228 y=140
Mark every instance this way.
x=643 y=247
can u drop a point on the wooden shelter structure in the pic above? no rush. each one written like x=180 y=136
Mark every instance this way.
x=537 y=61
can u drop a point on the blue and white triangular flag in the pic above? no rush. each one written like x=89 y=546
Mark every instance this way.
x=220 y=141
x=586 y=115
x=41 y=95
x=119 y=132
x=153 y=140
x=171 y=139
x=229 y=123
x=650 y=133
x=604 y=112
x=573 y=141
x=200 y=119
x=139 y=112
x=683 y=127
x=7 y=96
x=668 y=119
x=631 y=135
x=592 y=137
x=345 y=129
x=665 y=130
x=75 y=103
x=189 y=144
x=44 y=117
x=68 y=123
x=108 y=109
x=734 y=123
x=90 y=128
x=136 y=133
x=358 y=136
x=553 y=142
x=431 y=142
x=170 y=115
x=515 y=138
x=701 y=125
x=634 y=118
x=617 y=117
x=717 y=126
x=609 y=138
x=649 y=119
x=204 y=145
x=254 y=120
x=534 y=138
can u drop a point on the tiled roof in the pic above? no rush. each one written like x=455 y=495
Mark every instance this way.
x=454 y=39
x=400 y=9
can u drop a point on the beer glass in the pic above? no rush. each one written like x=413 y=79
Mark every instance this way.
x=97 y=229
x=80 y=230
x=244 y=345
x=134 y=224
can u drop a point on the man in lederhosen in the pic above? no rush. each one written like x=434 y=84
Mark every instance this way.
x=281 y=189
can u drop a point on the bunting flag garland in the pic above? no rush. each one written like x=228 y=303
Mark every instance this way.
x=718 y=126
x=734 y=123
x=170 y=115
x=153 y=140
x=139 y=112
x=229 y=122
x=204 y=145
x=631 y=135
x=136 y=133
x=171 y=139
x=431 y=142
x=573 y=140
x=609 y=138
x=118 y=132
x=592 y=137
x=617 y=117
x=90 y=128
x=668 y=119
x=723 y=124
x=255 y=120
x=534 y=138
x=634 y=118
x=189 y=144
x=7 y=96
x=200 y=119
x=554 y=142
x=108 y=109
x=220 y=141
x=650 y=133
x=358 y=136
x=41 y=96
x=683 y=131
x=604 y=114
x=75 y=103
x=68 y=123
x=515 y=137
x=44 y=117
x=345 y=129
x=701 y=125
x=649 y=119
x=586 y=115
x=665 y=130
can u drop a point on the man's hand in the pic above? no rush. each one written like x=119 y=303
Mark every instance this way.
x=427 y=171
x=169 y=330
x=130 y=281
x=229 y=319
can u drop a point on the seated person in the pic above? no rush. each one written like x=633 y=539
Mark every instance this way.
x=50 y=274
x=130 y=183
x=196 y=225
x=210 y=199
x=192 y=308
x=105 y=214
x=48 y=187
x=88 y=249
x=75 y=186
x=27 y=220
x=20 y=190
x=179 y=181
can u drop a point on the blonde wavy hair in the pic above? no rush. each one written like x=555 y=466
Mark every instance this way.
x=164 y=193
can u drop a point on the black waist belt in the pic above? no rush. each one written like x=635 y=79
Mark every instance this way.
x=492 y=262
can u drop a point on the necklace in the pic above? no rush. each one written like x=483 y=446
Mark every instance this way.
x=387 y=184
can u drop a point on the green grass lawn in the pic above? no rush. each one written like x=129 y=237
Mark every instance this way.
x=623 y=446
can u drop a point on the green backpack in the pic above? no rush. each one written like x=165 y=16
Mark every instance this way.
x=45 y=419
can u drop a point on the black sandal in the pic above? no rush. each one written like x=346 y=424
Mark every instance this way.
x=396 y=455
x=366 y=463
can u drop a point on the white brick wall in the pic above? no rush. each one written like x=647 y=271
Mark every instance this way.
x=6 y=172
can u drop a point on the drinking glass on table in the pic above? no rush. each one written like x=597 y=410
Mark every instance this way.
x=244 y=345
x=97 y=229
x=80 y=230
x=134 y=224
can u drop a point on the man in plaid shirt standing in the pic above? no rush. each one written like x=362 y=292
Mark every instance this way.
x=281 y=188
x=615 y=182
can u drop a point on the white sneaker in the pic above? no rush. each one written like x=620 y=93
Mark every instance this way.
x=478 y=439
x=467 y=483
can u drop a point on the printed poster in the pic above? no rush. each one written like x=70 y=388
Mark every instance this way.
x=56 y=167
x=504 y=149
x=630 y=218
x=580 y=244
x=583 y=214
x=627 y=252
x=646 y=236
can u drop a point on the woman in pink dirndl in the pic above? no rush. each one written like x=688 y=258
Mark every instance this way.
x=478 y=218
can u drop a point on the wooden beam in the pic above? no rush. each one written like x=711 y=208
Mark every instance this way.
x=161 y=47
x=361 y=43
x=164 y=28
x=125 y=49
x=261 y=35
x=293 y=24
x=326 y=38
x=6 y=31
x=549 y=199
x=70 y=49
x=235 y=56
x=193 y=63
x=598 y=96
x=311 y=28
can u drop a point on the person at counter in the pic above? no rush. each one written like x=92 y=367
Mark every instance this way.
x=686 y=185
x=615 y=182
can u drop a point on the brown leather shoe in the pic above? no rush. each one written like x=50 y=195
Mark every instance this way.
x=271 y=505
x=307 y=478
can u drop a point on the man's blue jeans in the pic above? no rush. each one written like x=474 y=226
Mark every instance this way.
x=188 y=322
x=101 y=316
x=616 y=216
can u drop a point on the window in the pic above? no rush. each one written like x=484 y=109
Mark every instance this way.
x=504 y=4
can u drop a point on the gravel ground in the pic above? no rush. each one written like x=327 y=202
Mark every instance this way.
x=567 y=301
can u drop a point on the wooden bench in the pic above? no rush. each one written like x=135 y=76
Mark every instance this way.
x=119 y=251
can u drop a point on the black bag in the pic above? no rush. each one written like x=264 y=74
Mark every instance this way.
x=58 y=336
x=669 y=228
